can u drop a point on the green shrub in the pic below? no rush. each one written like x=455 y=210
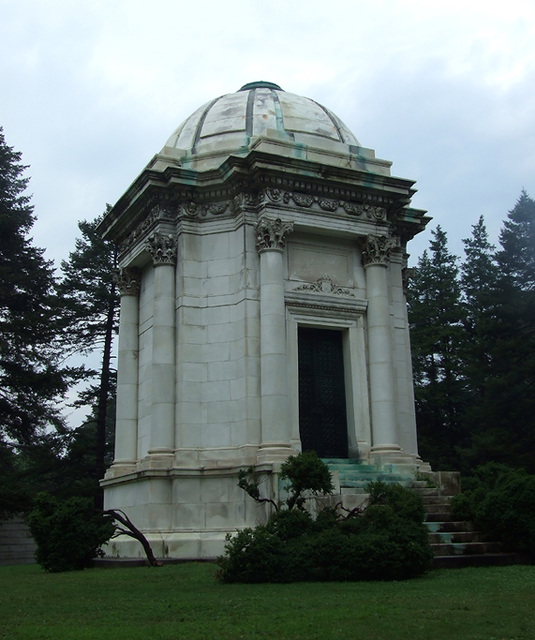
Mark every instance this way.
x=68 y=533
x=387 y=541
x=305 y=472
x=405 y=503
x=290 y=524
x=501 y=502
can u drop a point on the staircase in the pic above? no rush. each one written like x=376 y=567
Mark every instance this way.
x=353 y=476
x=456 y=543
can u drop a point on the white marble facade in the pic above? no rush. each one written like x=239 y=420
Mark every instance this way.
x=261 y=215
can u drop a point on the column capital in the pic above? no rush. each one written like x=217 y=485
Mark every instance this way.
x=128 y=281
x=271 y=234
x=376 y=249
x=162 y=248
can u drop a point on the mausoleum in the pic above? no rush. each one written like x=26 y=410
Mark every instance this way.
x=263 y=312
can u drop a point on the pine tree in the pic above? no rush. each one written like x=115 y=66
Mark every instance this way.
x=32 y=376
x=437 y=336
x=91 y=308
x=479 y=273
x=509 y=408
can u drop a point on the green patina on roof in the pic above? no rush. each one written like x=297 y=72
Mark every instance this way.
x=260 y=84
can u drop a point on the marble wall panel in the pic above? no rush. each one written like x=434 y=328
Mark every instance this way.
x=215 y=434
x=308 y=260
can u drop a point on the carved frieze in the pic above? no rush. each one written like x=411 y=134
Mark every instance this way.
x=162 y=248
x=128 y=281
x=376 y=249
x=141 y=229
x=281 y=197
x=325 y=284
x=271 y=234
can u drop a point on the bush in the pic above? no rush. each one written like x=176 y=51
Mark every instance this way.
x=388 y=541
x=68 y=533
x=306 y=472
x=501 y=502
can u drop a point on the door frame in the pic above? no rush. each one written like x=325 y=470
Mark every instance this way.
x=351 y=323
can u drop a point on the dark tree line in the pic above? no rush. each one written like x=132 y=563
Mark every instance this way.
x=45 y=319
x=473 y=341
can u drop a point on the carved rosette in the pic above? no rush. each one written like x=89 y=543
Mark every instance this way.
x=162 y=248
x=128 y=281
x=376 y=249
x=271 y=234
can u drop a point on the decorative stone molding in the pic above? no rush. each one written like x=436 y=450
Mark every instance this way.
x=325 y=284
x=327 y=305
x=189 y=209
x=140 y=230
x=162 y=248
x=281 y=197
x=193 y=209
x=376 y=249
x=271 y=234
x=128 y=281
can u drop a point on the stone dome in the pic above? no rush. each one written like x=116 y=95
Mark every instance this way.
x=234 y=123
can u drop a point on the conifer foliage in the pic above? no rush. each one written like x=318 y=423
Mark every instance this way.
x=437 y=317
x=91 y=304
x=32 y=376
x=473 y=340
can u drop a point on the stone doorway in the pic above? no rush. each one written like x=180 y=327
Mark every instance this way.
x=322 y=397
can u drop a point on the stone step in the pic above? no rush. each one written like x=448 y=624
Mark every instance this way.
x=362 y=483
x=425 y=490
x=464 y=548
x=438 y=515
x=449 y=525
x=435 y=500
x=480 y=560
x=449 y=537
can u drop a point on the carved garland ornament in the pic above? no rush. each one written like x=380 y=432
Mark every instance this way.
x=271 y=234
x=162 y=248
x=278 y=196
x=325 y=284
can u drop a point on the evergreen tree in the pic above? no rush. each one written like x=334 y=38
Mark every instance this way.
x=509 y=407
x=91 y=307
x=479 y=273
x=437 y=336
x=32 y=376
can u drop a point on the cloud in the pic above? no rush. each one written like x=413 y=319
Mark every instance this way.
x=93 y=89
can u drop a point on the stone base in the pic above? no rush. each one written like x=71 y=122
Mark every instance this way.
x=386 y=455
x=186 y=545
x=276 y=452
x=186 y=512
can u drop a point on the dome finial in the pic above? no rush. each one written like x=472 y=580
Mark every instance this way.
x=260 y=84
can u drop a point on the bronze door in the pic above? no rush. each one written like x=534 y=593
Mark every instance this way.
x=322 y=402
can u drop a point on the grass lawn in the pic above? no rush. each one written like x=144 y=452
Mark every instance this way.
x=185 y=601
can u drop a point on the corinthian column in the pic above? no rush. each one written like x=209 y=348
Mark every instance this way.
x=385 y=441
x=270 y=242
x=163 y=249
x=128 y=281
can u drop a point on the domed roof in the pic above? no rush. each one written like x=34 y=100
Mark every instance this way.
x=233 y=123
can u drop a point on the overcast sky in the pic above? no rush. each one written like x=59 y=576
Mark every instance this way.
x=91 y=90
